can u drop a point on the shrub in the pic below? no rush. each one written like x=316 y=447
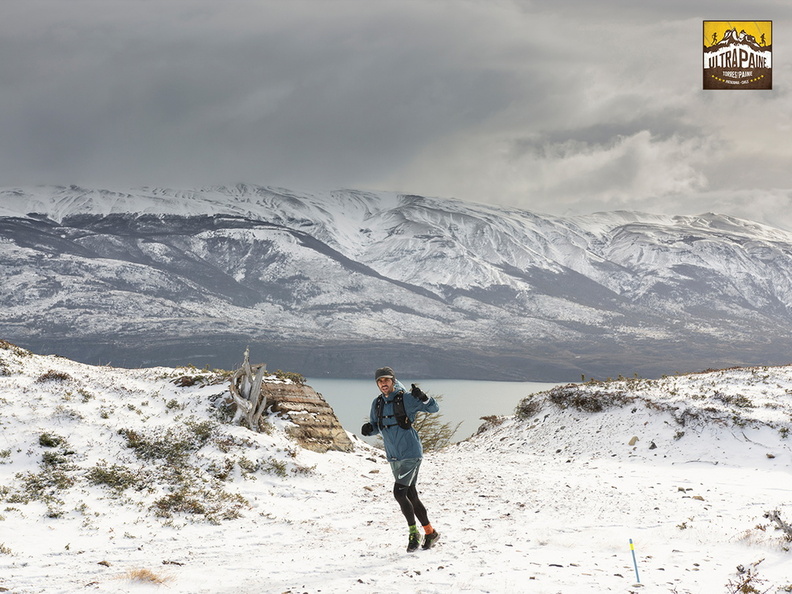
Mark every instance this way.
x=739 y=400
x=86 y=395
x=114 y=476
x=173 y=404
x=221 y=470
x=179 y=501
x=573 y=396
x=53 y=376
x=203 y=377
x=528 y=407
x=273 y=466
x=290 y=375
x=41 y=486
x=50 y=440
x=747 y=580
x=185 y=381
x=490 y=422
x=214 y=504
x=152 y=446
x=18 y=351
x=52 y=459
x=202 y=431
x=173 y=444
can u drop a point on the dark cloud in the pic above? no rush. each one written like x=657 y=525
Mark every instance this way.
x=556 y=106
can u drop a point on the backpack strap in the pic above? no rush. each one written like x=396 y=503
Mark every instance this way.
x=399 y=413
x=380 y=406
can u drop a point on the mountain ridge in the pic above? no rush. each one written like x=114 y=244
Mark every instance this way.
x=345 y=279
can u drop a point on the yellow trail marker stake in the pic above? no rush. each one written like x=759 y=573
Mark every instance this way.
x=635 y=563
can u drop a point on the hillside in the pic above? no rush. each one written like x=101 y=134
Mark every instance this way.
x=115 y=480
x=451 y=289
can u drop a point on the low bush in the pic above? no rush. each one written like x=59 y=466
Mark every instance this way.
x=528 y=407
x=113 y=476
x=16 y=350
x=290 y=375
x=214 y=504
x=173 y=444
x=579 y=398
x=53 y=376
x=50 y=440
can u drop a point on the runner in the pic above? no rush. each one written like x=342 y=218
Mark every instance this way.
x=392 y=415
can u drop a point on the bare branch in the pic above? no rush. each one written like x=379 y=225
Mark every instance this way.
x=247 y=390
x=775 y=516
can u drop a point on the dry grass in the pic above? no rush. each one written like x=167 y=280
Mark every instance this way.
x=146 y=576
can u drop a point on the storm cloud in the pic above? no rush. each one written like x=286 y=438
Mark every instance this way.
x=563 y=107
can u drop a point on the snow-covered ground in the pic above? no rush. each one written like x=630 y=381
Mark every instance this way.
x=116 y=480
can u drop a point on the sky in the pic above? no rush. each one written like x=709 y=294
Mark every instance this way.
x=554 y=106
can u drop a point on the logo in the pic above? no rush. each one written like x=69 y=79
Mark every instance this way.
x=738 y=55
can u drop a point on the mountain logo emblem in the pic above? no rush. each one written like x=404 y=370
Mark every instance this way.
x=738 y=55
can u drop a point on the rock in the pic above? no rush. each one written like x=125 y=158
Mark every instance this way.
x=316 y=426
x=633 y=441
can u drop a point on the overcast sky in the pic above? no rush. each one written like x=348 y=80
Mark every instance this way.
x=556 y=106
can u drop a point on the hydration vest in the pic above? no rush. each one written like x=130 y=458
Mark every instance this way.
x=399 y=414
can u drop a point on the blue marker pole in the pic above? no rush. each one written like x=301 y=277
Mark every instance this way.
x=635 y=563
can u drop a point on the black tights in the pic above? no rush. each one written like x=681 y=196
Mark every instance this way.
x=410 y=504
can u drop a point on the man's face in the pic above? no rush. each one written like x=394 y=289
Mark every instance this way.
x=385 y=384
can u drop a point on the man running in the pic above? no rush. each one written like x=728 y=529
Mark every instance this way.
x=392 y=415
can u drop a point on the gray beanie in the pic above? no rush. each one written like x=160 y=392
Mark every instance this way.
x=384 y=372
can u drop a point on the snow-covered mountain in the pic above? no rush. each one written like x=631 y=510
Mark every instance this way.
x=130 y=481
x=335 y=283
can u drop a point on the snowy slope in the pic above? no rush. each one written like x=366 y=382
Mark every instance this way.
x=542 y=502
x=453 y=289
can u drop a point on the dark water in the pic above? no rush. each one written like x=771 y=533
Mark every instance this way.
x=463 y=401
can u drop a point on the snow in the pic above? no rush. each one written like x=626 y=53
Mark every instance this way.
x=437 y=263
x=546 y=501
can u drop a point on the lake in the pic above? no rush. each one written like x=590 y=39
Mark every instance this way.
x=463 y=401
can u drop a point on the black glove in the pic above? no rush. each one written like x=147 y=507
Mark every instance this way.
x=418 y=393
x=366 y=430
